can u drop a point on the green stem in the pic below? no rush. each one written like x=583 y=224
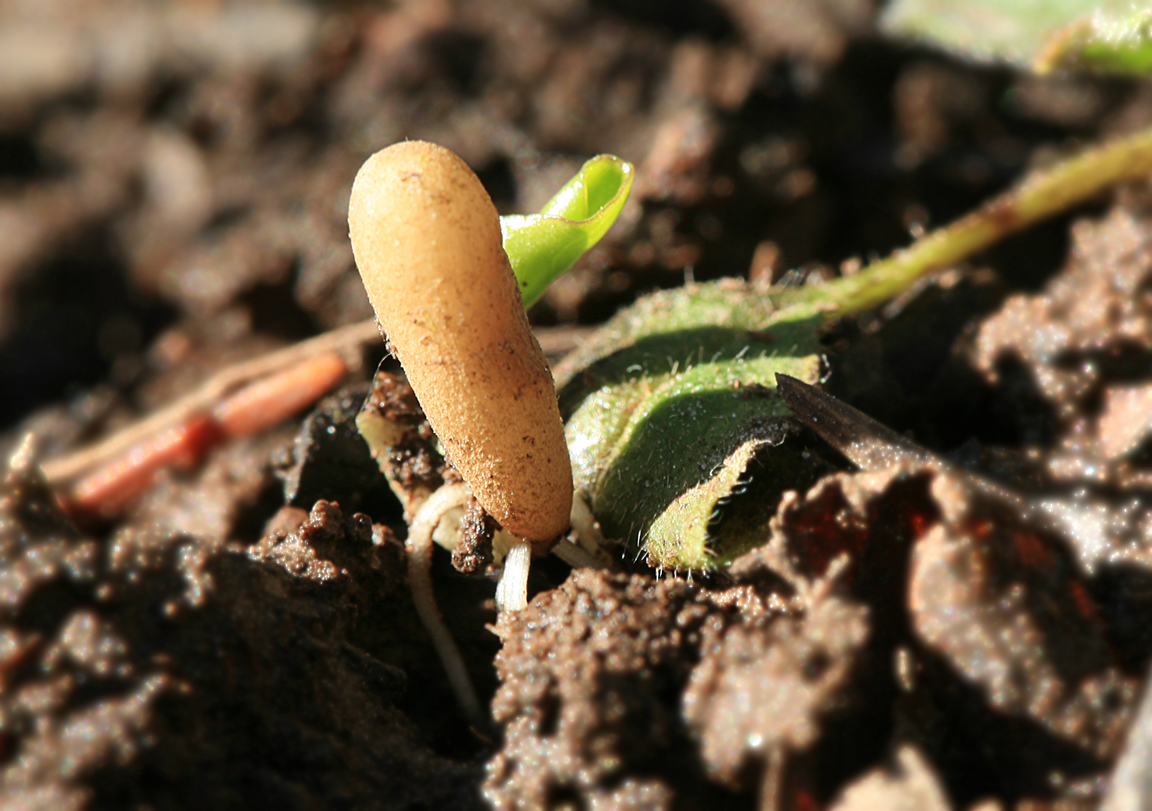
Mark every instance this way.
x=1041 y=195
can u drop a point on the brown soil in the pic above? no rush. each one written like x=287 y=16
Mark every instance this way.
x=174 y=180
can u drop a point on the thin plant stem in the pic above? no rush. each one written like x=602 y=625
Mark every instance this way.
x=1041 y=195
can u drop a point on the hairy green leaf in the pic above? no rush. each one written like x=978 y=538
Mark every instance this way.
x=681 y=533
x=657 y=403
x=673 y=406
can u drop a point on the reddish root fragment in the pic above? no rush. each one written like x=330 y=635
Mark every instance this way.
x=267 y=402
x=117 y=484
x=419 y=545
x=114 y=486
x=206 y=397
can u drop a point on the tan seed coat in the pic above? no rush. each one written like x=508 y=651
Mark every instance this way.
x=427 y=241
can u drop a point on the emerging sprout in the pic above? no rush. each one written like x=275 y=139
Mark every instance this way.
x=427 y=241
x=542 y=246
x=428 y=244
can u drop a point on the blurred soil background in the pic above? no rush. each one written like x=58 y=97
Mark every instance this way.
x=174 y=181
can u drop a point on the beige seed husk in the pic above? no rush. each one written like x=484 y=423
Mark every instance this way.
x=427 y=242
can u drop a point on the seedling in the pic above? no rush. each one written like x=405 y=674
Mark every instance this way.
x=428 y=244
x=430 y=247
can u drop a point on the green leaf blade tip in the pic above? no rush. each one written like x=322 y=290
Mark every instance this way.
x=541 y=247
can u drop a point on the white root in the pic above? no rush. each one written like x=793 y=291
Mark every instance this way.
x=512 y=591
x=583 y=548
x=419 y=545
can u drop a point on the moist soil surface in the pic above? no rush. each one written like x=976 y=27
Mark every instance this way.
x=972 y=632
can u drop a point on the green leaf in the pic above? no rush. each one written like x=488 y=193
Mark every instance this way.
x=541 y=247
x=673 y=404
x=1103 y=44
x=657 y=403
x=1104 y=35
x=674 y=534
